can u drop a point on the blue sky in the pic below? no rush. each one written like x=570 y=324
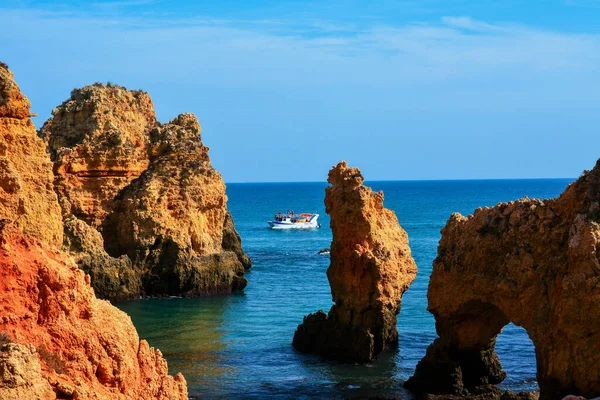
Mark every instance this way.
x=402 y=89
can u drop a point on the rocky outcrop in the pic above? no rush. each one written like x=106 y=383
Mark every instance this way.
x=26 y=195
x=371 y=267
x=144 y=211
x=57 y=340
x=86 y=347
x=98 y=140
x=531 y=262
x=170 y=220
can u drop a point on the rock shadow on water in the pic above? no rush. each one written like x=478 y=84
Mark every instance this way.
x=191 y=332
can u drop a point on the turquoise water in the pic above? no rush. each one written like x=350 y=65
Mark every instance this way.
x=240 y=345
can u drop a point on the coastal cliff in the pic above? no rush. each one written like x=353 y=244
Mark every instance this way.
x=371 y=267
x=535 y=263
x=57 y=340
x=144 y=210
x=26 y=195
x=171 y=219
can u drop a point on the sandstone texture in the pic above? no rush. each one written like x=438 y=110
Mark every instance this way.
x=371 y=267
x=98 y=140
x=71 y=345
x=57 y=340
x=26 y=194
x=171 y=219
x=531 y=262
x=144 y=211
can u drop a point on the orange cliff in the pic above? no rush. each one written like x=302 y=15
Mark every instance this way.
x=144 y=191
x=57 y=340
x=532 y=262
x=371 y=267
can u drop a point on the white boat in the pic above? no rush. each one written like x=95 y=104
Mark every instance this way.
x=294 y=221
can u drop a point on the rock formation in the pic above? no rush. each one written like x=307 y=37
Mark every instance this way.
x=56 y=339
x=371 y=267
x=98 y=140
x=531 y=262
x=144 y=191
x=171 y=218
x=72 y=345
x=26 y=194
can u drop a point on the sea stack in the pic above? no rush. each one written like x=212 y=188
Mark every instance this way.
x=57 y=340
x=144 y=210
x=371 y=267
x=531 y=262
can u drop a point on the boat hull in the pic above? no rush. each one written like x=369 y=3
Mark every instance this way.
x=312 y=224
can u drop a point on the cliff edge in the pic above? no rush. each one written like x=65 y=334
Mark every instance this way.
x=57 y=340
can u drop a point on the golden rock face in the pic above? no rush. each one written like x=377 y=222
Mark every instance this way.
x=371 y=267
x=151 y=193
x=98 y=140
x=26 y=195
x=531 y=262
x=57 y=340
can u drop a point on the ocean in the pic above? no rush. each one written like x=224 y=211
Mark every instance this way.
x=239 y=346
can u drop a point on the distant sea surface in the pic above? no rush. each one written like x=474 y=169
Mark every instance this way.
x=239 y=346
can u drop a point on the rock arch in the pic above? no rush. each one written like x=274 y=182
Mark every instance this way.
x=531 y=262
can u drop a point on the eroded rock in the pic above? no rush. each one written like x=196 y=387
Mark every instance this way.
x=530 y=262
x=371 y=267
x=86 y=347
x=98 y=140
x=144 y=211
x=57 y=340
x=171 y=219
x=26 y=195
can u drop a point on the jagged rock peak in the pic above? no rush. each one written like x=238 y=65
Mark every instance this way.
x=343 y=176
x=13 y=104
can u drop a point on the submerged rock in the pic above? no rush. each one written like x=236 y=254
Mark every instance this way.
x=371 y=267
x=145 y=213
x=531 y=262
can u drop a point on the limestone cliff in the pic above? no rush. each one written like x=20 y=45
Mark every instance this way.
x=98 y=140
x=26 y=194
x=531 y=262
x=171 y=219
x=144 y=191
x=76 y=346
x=56 y=339
x=371 y=267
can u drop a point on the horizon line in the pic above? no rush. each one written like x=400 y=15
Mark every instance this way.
x=411 y=180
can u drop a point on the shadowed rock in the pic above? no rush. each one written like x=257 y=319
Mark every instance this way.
x=531 y=262
x=371 y=267
x=171 y=219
